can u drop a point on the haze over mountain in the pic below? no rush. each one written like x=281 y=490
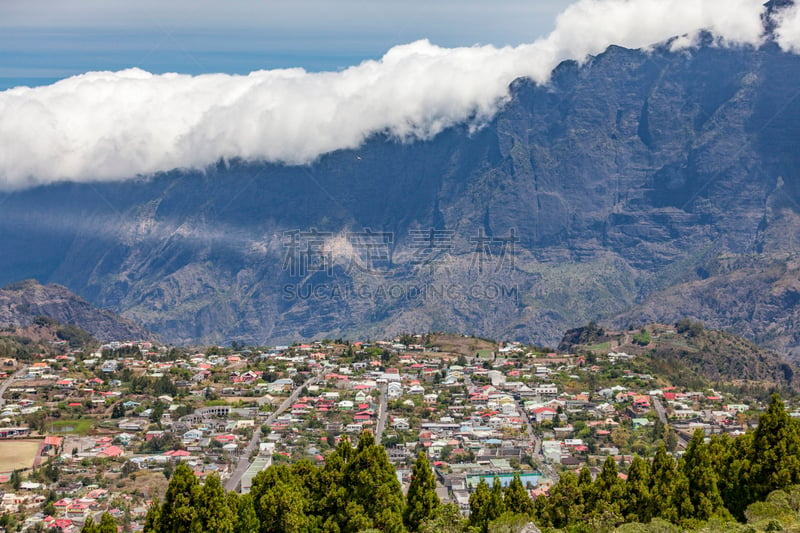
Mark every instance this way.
x=638 y=185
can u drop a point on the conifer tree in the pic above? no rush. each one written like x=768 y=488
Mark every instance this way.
x=178 y=511
x=636 y=497
x=372 y=484
x=479 y=502
x=679 y=509
x=152 y=519
x=774 y=456
x=496 y=504
x=107 y=524
x=446 y=518
x=278 y=501
x=662 y=480
x=607 y=490
x=585 y=483
x=89 y=526
x=516 y=498
x=699 y=470
x=213 y=513
x=421 y=500
x=563 y=505
x=245 y=519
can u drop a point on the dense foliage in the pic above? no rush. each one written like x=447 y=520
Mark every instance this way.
x=714 y=481
x=355 y=490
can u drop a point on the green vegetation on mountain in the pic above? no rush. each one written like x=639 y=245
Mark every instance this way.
x=688 y=354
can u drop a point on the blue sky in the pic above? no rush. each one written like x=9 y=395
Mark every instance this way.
x=45 y=40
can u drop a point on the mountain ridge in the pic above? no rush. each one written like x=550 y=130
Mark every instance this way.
x=591 y=198
x=23 y=302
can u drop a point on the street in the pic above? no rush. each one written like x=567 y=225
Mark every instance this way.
x=244 y=460
x=382 y=413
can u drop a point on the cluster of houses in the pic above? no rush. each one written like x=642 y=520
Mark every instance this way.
x=116 y=420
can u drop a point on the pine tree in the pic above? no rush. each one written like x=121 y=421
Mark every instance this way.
x=213 y=513
x=662 y=481
x=89 y=526
x=107 y=524
x=636 y=498
x=372 y=484
x=699 y=470
x=564 y=505
x=278 y=501
x=496 y=506
x=516 y=498
x=479 y=502
x=178 y=512
x=421 y=500
x=607 y=490
x=680 y=508
x=245 y=519
x=445 y=519
x=152 y=519
x=775 y=453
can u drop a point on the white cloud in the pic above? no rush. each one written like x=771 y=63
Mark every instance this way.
x=787 y=33
x=115 y=125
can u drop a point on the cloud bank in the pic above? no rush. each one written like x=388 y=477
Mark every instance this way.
x=116 y=125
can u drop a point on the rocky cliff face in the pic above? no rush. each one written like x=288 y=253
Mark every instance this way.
x=22 y=302
x=636 y=187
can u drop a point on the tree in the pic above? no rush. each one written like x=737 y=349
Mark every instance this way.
x=372 y=484
x=496 y=504
x=516 y=498
x=636 y=498
x=773 y=456
x=699 y=470
x=278 y=501
x=479 y=502
x=107 y=524
x=213 y=512
x=445 y=519
x=15 y=479
x=421 y=500
x=607 y=492
x=246 y=520
x=662 y=479
x=564 y=505
x=178 y=512
x=152 y=519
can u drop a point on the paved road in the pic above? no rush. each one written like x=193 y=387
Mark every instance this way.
x=382 y=412
x=8 y=382
x=660 y=411
x=244 y=460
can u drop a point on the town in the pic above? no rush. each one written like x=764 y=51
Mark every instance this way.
x=87 y=432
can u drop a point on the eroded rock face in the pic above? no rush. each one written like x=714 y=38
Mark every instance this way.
x=636 y=187
x=24 y=301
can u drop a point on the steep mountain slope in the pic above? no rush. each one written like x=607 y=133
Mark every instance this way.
x=688 y=354
x=618 y=188
x=23 y=302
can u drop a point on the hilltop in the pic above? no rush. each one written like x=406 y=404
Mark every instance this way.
x=688 y=354
x=22 y=303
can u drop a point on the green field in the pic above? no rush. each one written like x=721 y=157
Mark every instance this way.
x=602 y=347
x=80 y=426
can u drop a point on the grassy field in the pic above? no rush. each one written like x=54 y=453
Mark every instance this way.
x=467 y=346
x=80 y=426
x=16 y=454
x=602 y=347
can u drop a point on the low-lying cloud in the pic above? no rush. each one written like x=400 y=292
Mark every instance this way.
x=116 y=125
